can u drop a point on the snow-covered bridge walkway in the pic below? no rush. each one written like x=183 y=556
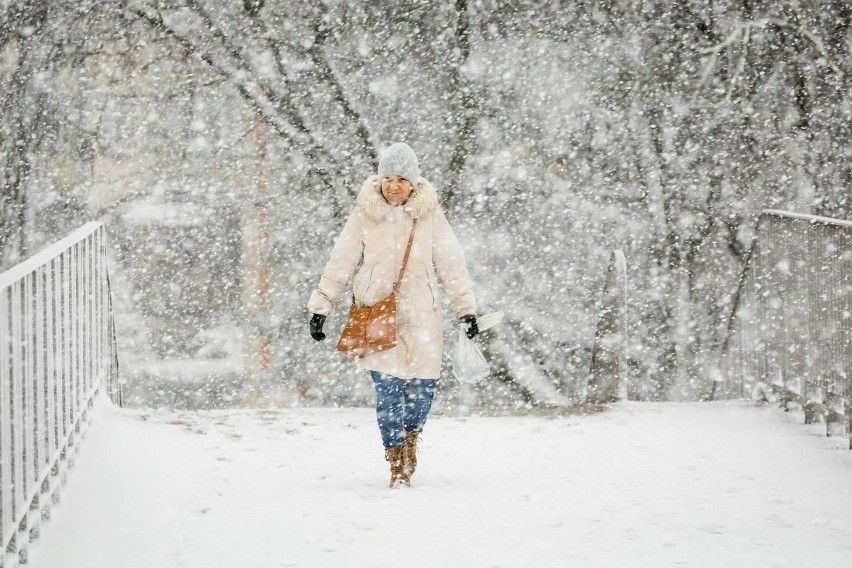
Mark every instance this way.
x=693 y=484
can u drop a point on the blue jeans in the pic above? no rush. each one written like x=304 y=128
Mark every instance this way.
x=401 y=406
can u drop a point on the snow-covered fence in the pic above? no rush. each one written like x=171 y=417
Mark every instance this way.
x=790 y=330
x=607 y=367
x=57 y=352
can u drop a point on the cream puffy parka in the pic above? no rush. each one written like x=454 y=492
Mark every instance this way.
x=369 y=251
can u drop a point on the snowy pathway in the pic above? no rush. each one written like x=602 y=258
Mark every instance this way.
x=641 y=485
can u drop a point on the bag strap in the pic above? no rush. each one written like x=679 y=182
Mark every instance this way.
x=405 y=258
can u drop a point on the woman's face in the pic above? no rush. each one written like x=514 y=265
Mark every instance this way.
x=396 y=189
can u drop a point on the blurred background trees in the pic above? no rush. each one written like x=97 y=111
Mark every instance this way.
x=224 y=142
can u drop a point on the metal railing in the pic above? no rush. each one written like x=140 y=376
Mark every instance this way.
x=790 y=330
x=57 y=352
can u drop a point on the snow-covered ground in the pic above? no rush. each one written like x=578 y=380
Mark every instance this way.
x=643 y=484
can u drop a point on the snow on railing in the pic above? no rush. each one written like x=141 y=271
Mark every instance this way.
x=790 y=330
x=57 y=352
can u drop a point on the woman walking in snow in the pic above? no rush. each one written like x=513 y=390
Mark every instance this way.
x=370 y=251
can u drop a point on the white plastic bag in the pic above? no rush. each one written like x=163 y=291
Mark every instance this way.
x=469 y=365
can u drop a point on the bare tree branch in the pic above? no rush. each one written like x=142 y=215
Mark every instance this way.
x=263 y=98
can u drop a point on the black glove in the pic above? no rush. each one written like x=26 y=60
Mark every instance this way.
x=472 y=329
x=316 y=327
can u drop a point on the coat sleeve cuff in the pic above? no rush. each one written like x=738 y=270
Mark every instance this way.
x=319 y=304
x=465 y=305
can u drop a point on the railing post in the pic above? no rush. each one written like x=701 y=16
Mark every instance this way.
x=608 y=358
x=7 y=522
x=17 y=446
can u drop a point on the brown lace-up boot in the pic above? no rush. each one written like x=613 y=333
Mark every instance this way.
x=397 y=474
x=409 y=453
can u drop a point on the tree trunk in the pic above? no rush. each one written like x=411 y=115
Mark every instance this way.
x=467 y=117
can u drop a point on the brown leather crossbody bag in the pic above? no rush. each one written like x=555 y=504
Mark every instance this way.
x=373 y=329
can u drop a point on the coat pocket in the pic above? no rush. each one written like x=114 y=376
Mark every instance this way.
x=431 y=287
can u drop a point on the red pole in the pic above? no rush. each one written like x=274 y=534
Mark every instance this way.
x=261 y=132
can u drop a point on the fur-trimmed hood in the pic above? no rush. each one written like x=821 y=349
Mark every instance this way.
x=423 y=199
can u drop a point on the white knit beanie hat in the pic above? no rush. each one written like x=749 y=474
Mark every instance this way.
x=399 y=160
